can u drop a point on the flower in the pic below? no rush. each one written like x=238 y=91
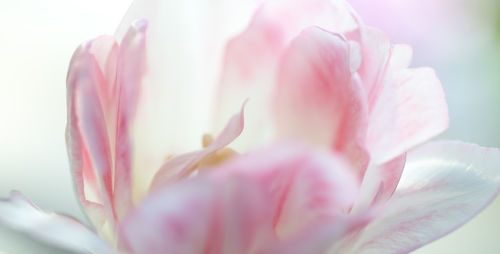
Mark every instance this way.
x=317 y=160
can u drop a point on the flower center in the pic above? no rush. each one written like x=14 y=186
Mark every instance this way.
x=213 y=159
x=178 y=167
x=214 y=152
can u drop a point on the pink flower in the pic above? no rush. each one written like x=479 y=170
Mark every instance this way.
x=312 y=163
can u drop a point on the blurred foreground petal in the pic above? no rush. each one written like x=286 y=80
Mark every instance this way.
x=62 y=231
x=252 y=204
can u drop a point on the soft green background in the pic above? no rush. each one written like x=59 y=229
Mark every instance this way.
x=459 y=38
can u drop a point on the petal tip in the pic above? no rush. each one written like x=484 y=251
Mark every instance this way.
x=140 y=25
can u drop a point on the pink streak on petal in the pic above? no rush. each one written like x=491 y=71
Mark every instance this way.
x=375 y=49
x=130 y=70
x=58 y=230
x=318 y=99
x=390 y=174
x=406 y=106
x=86 y=132
x=410 y=109
x=443 y=186
x=179 y=166
x=105 y=50
x=234 y=208
x=380 y=182
x=251 y=59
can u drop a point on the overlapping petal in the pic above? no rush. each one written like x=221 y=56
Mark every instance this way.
x=410 y=109
x=86 y=132
x=313 y=72
x=443 y=186
x=131 y=68
x=318 y=97
x=251 y=60
x=186 y=40
x=380 y=182
x=248 y=205
x=103 y=83
x=183 y=165
x=407 y=106
x=59 y=230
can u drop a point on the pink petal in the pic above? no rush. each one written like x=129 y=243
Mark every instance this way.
x=412 y=111
x=443 y=186
x=322 y=236
x=58 y=230
x=248 y=205
x=407 y=108
x=251 y=59
x=105 y=51
x=86 y=132
x=179 y=166
x=375 y=49
x=380 y=182
x=103 y=87
x=318 y=98
x=130 y=70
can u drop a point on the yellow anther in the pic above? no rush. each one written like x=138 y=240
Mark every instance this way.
x=216 y=158
x=168 y=157
x=207 y=140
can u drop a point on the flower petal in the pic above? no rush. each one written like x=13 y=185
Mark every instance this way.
x=58 y=230
x=130 y=71
x=184 y=53
x=380 y=182
x=318 y=98
x=409 y=108
x=180 y=166
x=320 y=237
x=251 y=60
x=443 y=186
x=86 y=131
x=105 y=51
x=103 y=86
x=375 y=49
x=248 y=205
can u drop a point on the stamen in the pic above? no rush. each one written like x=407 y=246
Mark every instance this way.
x=168 y=157
x=216 y=158
x=207 y=140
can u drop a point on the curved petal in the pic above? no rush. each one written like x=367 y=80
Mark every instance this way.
x=443 y=186
x=105 y=50
x=375 y=49
x=184 y=53
x=86 y=131
x=131 y=67
x=407 y=107
x=58 y=230
x=251 y=59
x=181 y=166
x=246 y=206
x=380 y=182
x=318 y=98
x=103 y=86
x=319 y=238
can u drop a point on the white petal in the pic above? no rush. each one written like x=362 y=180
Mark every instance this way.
x=185 y=42
x=62 y=231
x=443 y=186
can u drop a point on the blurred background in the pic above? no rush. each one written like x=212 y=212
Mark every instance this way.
x=459 y=38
